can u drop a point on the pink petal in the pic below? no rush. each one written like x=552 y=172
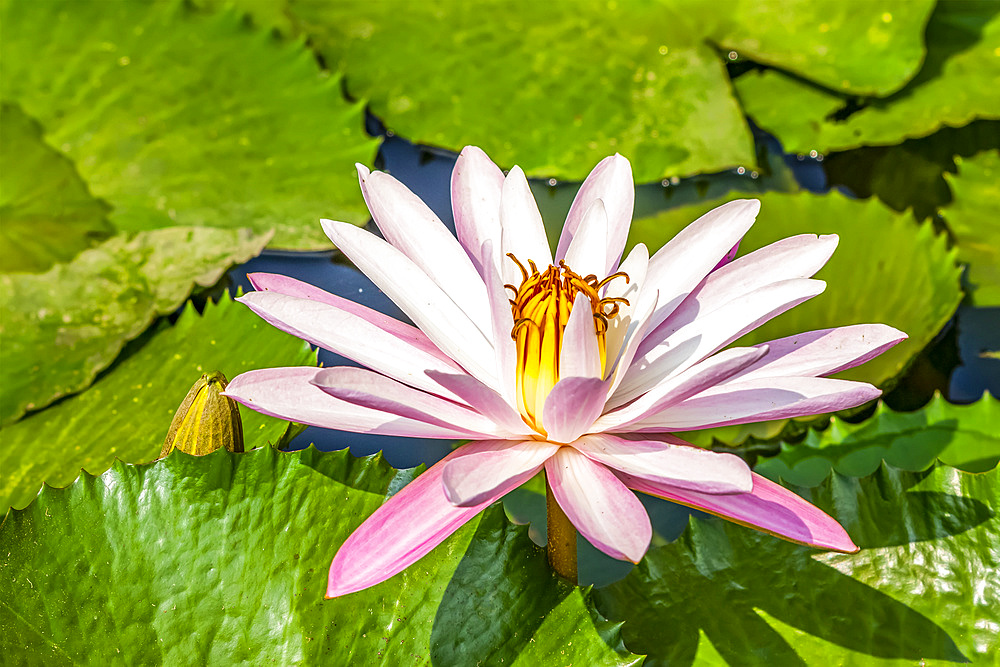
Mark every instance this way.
x=680 y=265
x=413 y=228
x=406 y=527
x=611 y=182
x=385 y=345
x=673 y=390
x=447 y=325
x=757 y=400
x=469 y=480
x=522 y=231
x=708 y=334
x=572 y=406
x=579 y=355
x=730 y=256
x=476 y=184
x=823 y=352
x=673 y=462
x=599 y=505
x=288 y=393
x=795 y=257
x=587 y=254
x=361 y=386
x=769 y=507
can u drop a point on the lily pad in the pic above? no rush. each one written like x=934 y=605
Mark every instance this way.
x=886 y=270
x=48 y=214
x=223 y=559
x=972 y=219
x=551 y=90
x=126 y=413
x=832 y=44
x=921 y=588
x=175 y=117
x=963 y=436
x=955 y=85
x=60 y=328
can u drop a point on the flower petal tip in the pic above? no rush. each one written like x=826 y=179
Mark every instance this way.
x=363 y=171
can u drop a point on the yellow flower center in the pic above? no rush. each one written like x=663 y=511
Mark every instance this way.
x=541 y=308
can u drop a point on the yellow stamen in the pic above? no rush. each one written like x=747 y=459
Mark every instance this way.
x=541 y=308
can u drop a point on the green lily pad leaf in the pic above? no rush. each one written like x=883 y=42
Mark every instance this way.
x=886 y=269
x=955 y=85
x=178 y=118
x=921 y=588
x=550 y=90
x=126 y=413
x=972 y=219
x=48 y=214
x=833 y=44
x=61 y=327
x=963 y=436
x=223 y=559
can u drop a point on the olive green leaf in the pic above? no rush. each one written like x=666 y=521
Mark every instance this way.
x=48 y=214
x=955 y=85
x=60 y=328
x=175 y=117
x=223 y=559
x=963 y=436
x=974 y=220
x=127 y=412
x=886 y=269
x=921 y=588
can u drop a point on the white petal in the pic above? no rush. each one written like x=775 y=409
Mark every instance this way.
x=757 y=400
x=675 y=389
x=680 y=265
x=611 y=182
x=476 y=184
x=361 y=386
x=419 y=297
x=677 y=463
x=503 y=325
x=413 y=228
x=579 y=355
x=385 y=345
x=523 y=233
x=697 y=340
x=288 y=393
x=588 y=252
x=620 y=326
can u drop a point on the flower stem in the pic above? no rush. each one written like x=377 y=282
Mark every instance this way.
x=562 y=538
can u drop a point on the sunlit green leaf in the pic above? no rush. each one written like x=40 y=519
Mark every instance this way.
x=832 y=44
x=921 y=588
x=955 y=85
x=533 y=84
x=127 y=412
x=48 y=215
x=887 y=269
x=61 y=327
x=964 y=436
x=175 y=117
x=223 y=560
x=974 y=219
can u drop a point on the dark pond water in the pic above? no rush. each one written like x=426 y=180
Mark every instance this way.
x=954 y=363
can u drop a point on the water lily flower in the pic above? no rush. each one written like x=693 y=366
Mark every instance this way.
x=579 y=363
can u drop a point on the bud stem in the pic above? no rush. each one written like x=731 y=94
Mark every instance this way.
x=562 y=538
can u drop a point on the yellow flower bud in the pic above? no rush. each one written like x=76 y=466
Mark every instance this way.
x=206 y=420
